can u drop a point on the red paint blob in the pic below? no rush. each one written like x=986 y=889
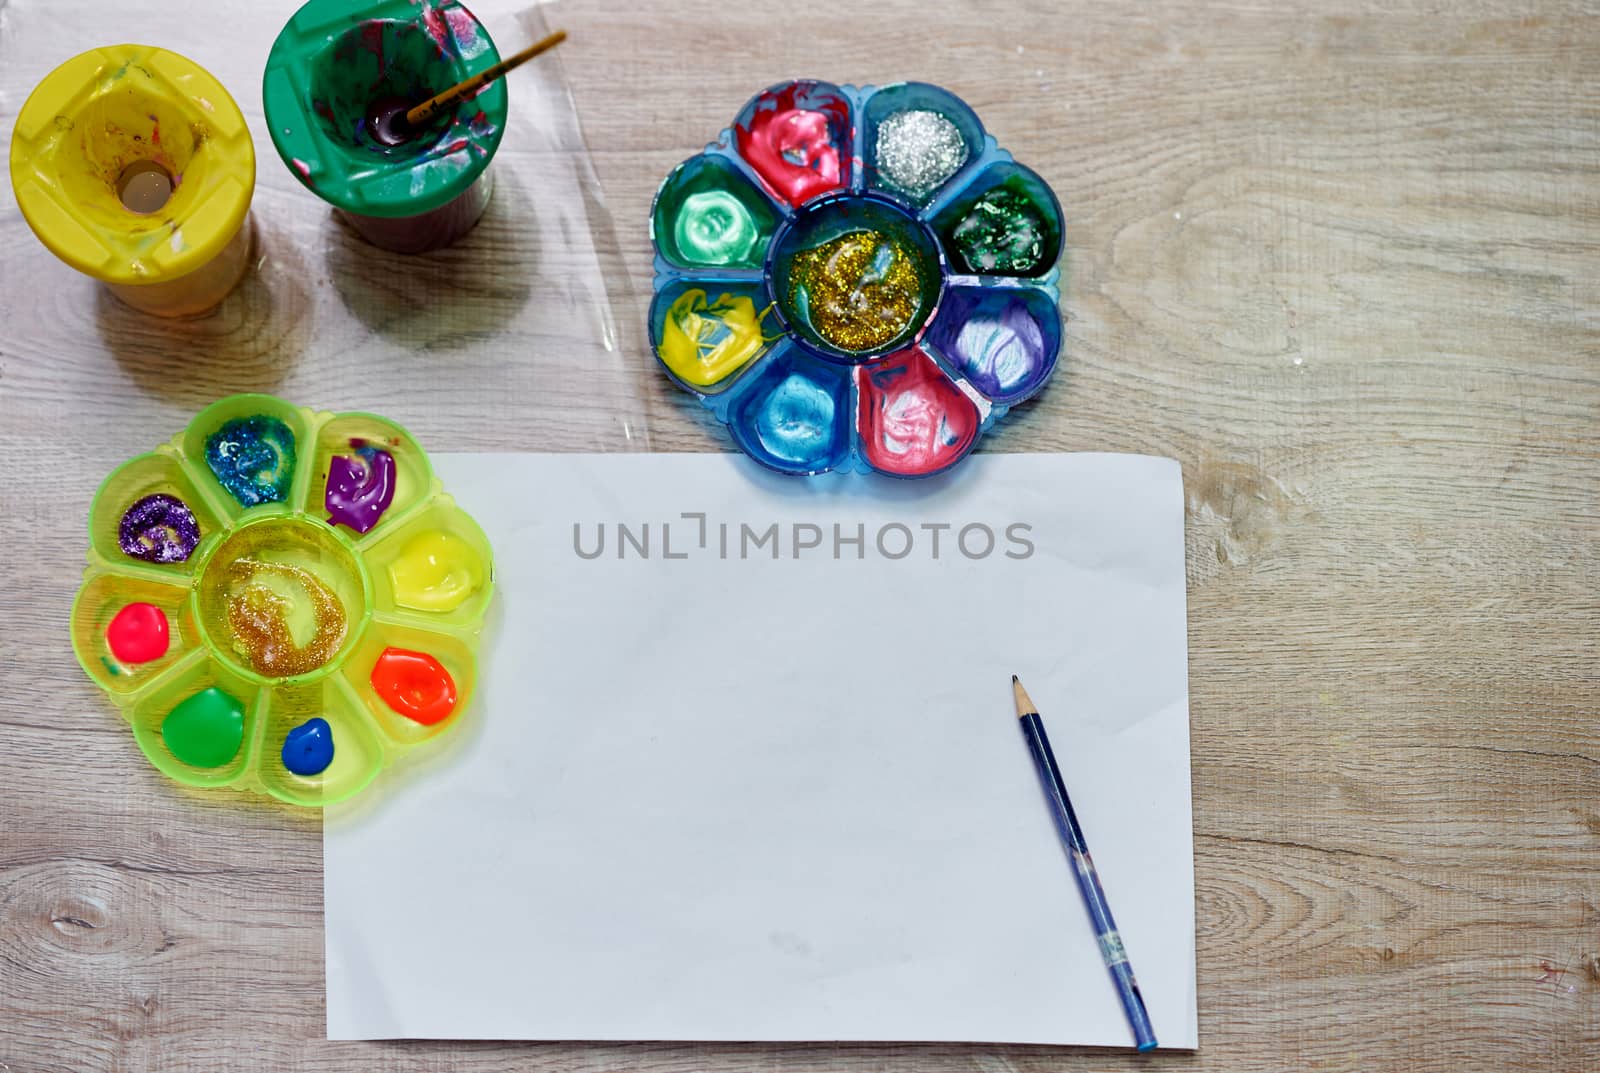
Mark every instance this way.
x=913 y=419
x=139 y=634
x=794 y=148
x=415 y=685
x=372 y=39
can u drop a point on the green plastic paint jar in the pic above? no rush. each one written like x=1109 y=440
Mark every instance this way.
x=335 y=78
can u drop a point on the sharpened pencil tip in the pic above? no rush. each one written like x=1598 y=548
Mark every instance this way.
x=1025 y=706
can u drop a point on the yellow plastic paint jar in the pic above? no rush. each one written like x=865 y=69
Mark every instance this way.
x=133 y=165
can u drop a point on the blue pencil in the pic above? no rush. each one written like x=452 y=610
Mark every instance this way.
x=1094 y=898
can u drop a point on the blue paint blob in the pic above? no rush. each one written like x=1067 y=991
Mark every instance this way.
x=795 y=423
x=308 y=748
x=253 y=458
x=795 y=416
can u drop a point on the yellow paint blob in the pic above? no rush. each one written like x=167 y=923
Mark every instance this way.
x=435 y=571
x=704 y=343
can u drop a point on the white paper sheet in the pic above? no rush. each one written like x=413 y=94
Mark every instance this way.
x=757 y=798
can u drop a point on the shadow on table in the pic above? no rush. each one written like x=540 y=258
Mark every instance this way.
x=466 y=293
x=248 y=343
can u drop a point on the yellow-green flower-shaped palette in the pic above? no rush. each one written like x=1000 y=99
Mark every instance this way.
x=282 y=600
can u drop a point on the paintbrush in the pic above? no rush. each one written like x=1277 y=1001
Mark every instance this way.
x=1055 y=791
x=419 y=114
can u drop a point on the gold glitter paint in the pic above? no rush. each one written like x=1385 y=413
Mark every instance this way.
x=259 y=618
x=858 y=291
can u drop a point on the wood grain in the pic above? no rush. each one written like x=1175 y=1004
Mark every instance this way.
x=1339 y=259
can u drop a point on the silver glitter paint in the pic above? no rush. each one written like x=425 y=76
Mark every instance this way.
x=918 y=150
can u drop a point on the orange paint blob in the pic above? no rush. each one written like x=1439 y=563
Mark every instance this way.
x=415 y=685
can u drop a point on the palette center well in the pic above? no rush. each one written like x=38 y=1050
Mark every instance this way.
x=282 y=598
x=855 y=276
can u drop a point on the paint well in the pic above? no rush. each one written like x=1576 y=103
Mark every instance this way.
x=914 y=420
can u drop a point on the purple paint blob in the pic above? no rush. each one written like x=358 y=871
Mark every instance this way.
x=158 y=529
x=360 y=489
x=995 y=340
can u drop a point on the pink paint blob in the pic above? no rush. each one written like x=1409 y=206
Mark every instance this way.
x=464 y=28
x=433 y=21
x=913 y=419
x=795 y=149
x=303 y=168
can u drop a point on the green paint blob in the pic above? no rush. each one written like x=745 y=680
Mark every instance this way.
x=709 y=215
x=1003 y=232
x=715 y=228
x=206 y=729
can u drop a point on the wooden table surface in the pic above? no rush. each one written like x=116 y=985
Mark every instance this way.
x=1340 y=259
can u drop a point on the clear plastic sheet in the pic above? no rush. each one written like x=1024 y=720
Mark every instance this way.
x=508 y=340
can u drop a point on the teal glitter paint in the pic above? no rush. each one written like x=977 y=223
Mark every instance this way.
x=253 y=458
